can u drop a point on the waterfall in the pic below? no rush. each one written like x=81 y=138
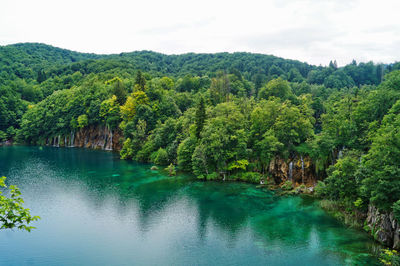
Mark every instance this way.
x=105 y=134
x=290 y=171
x=54 y=141
x=302 y=169
x=340 y=153
x=65 y=141
x=58 y=144
x=111 y=141
x=72 y=139
x=99 y=139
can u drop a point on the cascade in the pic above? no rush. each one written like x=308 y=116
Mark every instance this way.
x=111 y=141
x=72 y=139
x=58 y=144
x=302 y=169
x=290 y=171
x=65 y=141
x=340 y=154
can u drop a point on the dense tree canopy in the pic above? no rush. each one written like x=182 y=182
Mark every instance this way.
x=224 y=115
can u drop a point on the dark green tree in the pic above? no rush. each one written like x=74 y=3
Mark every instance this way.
x=200 y=117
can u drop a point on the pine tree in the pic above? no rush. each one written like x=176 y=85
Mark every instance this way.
x=200 y=117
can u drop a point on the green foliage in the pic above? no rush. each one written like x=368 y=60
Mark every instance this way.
x=171 y=170
x=396 y=210
x=320 y=189
x=3 y=136
x=287 y=185
x=389 y=257
x=212 y=176
x=12 y=213
x=238 y=165
x=342 y=182
x=249 y=177
x=83 y=121
x=225 y=114
x=160 y=157
x=200 y=161
x=127 y=150
x=185 y=152
x=358 y=203
x=200 y=117
x=382 y=163
x=109 y=111
x=276 y=88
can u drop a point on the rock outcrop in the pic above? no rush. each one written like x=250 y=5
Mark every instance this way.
x=94 y=137
x=384 y=227
x=299 y=170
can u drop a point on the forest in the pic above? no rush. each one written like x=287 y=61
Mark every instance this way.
x=224 y=116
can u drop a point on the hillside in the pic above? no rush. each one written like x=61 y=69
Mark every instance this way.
x=248 y=117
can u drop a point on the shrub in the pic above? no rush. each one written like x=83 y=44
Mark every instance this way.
x=171 y=170
x=127 y=150
x=144 y=154
x=252 y=177
x=320 y=189
x=390 y=257
x=288 y=185
x=212 y=176
x=3 y=136
x=160 y=157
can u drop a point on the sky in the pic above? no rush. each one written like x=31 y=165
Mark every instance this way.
x=312 y=31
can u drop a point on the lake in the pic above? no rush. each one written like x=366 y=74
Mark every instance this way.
x=98 y=210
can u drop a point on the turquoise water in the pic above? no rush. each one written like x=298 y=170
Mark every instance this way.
x=99 y=210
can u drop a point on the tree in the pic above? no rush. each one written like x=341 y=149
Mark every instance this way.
x=12 y=213
x=128 y=110
x=140 y=80
x=224 y=137
x=118 y=89
x=200 y=117
x=83 y=121
x=109 y=111
x=41 y=76
x=277 y=87
x=342 y=182
x=382 y=178
x=185 y=153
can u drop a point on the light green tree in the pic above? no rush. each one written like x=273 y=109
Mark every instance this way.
x=12 y=213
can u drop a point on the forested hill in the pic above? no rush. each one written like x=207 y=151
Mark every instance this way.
x=241 y=116
x=27 y=60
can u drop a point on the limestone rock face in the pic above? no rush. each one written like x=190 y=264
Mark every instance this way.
x=94 y=137
x=298 y=169
x=384 y=227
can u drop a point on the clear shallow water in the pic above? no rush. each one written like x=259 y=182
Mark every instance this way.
x=99 y=210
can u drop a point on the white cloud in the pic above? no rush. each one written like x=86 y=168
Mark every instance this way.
x=315 y=31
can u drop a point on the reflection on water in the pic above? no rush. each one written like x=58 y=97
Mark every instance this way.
x=97 y=209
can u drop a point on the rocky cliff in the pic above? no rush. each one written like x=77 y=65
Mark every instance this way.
x=299 y=170
x=95 y=137
x=384 y=227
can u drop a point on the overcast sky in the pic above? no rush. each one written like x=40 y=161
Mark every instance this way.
x=314 y=31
